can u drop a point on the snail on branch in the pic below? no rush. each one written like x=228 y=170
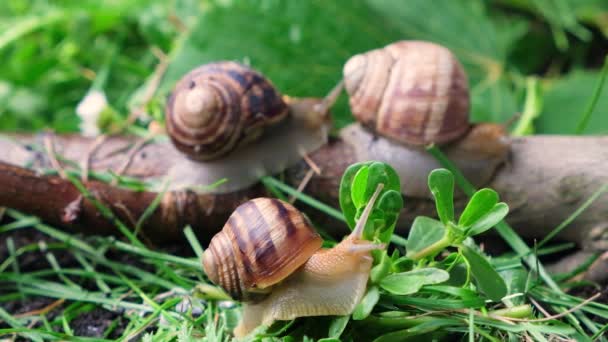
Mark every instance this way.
x=270 y=257
x=415 y=94
x=232 y=120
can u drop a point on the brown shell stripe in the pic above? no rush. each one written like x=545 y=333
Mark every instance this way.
x=458 y=104
x=218 y=135
x=411 y=90
x=371 y=92
x=225 y=261
x=284 y=216
x=257 y=249
x=263 y=98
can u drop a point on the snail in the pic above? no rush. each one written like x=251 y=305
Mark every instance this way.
x=415 y=93
x=232 y=120
x=269 y=256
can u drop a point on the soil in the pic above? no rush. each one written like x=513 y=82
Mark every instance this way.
x=92 y=322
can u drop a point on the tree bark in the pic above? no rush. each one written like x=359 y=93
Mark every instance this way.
x=544 y=180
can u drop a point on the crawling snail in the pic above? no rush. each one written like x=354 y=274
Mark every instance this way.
x=416 y=93
x=229 y=117
x=269 y=256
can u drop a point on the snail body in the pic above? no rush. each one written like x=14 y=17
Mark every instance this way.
x=478 y=155
x=231 y=120
x=268 y=256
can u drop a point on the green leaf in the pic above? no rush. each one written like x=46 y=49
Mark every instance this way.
x=365 y=307
x=421 y=332
x=402 y=264
x=346 y=200
x=441 y=184
x=356 y=188
x=337 y=326
x=458 y=275
x=481 y=203
x=359 y=187
x=424 y=232
x=391 y=202
x=300 y=45
x=410 y=282
x=455 y=291
x=564 y=101
x=380 y=270
x=516 y=279
x=486 y=277
x=377 y=174
x=489 y=220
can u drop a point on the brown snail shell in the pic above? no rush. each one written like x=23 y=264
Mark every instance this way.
x=412 y=91
x=218 y=107
x=269 y=256
x=263 y=242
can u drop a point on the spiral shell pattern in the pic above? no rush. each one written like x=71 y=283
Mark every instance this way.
x=218 y=107
x=411 y=91
x=263 y=242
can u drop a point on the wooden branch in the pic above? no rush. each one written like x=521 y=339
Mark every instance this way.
x=544 y=180
x=58 y=202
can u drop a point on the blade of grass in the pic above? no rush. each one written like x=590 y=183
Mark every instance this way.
x=584 y=266
x=194 y=243
x=105 y=211
x=586 y=116
x=16 y=325
x=101 y=284
x=151 y=208
x=303 y=197
x=142 y=251
x=144 y=296
x=39 y=335
x=50 y=257
x=54 y=233
x=22 y=223
x=471 y=326
x=149 y=319
x=574 y=215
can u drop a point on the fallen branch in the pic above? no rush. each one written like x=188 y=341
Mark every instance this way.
x=544 y=180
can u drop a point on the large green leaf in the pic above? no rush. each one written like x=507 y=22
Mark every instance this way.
x=480 y=204
x=406 y=283
x=300 y=45
x=441 y=184
x=424 y=232
x=565 y=101
x=486 y=277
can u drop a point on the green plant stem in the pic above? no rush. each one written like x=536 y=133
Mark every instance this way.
x=532 y=108
x=519 y=311
x=584 y=120
x=434 y=248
